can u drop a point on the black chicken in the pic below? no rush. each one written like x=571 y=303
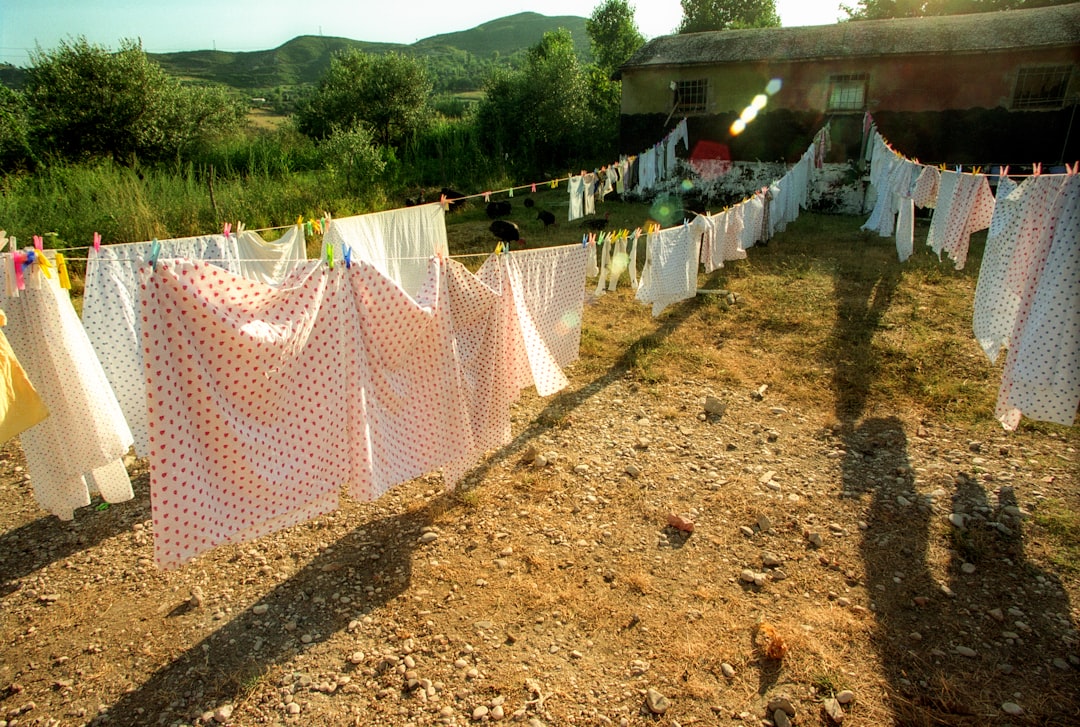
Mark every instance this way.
x=597 y=223
x=496 y=210
x=505 y=231
x=546 y=217
x=529 y=202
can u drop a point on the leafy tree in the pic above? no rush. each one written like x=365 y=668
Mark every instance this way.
x=388 y=92
x=613 y=34
x=537 y=118
x=876 y=9
x=700 y=15
x=350 y=154
x=14 y=130
x=87 y=101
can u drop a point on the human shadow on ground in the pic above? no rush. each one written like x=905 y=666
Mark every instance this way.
x=300 y=613
x=941 y=593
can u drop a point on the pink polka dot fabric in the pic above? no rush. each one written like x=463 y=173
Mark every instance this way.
x=965 y=205
x=265 y=401
x=1041 y=379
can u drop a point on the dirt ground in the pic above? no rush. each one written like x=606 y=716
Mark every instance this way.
x=884 y=569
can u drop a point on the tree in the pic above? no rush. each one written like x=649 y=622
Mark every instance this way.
x=538 y=118
x=14 y=130
x=701 y=15
x=87 y=101
x=613 y=34
x=877 y=9
x=388 y=92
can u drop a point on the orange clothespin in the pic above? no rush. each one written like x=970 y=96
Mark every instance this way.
x=1036 y=169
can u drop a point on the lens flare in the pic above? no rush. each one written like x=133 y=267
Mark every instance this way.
x=687 y=185
x=774 y=86
x=666 y=210
x=618 y=264
x=759 y=101
x=738 y=127
x=748 y=114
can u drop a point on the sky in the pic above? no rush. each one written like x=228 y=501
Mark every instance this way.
x=246 y=25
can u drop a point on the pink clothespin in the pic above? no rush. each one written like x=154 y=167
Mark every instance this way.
x=20 y=260
x=227 y=229
x=487 y=196
x=39 y=244
x=533 y=188
x=443 y=203
x=97 y=242
x=1036 y=169
x=1073 y=170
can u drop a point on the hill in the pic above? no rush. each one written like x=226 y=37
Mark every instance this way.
x=304 y=59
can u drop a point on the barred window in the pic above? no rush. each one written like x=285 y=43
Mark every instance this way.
x=848 y=92
x=690 y=96
x=1042 y=87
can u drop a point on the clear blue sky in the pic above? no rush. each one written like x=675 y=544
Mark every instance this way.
x=261 y=24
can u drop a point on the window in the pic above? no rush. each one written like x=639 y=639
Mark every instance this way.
x=848 y=93
x=690 y=96
x=1041 y=88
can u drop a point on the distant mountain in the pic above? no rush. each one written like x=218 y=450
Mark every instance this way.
x=304 y=59
x=11 y=76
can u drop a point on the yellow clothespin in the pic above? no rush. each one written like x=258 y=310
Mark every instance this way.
x=977 y=170
x=61 y=270
x=300 y=221
x=43 y=263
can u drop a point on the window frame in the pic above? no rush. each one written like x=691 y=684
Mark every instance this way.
x=1032 y=101
x=845 y=82
x=690 y=97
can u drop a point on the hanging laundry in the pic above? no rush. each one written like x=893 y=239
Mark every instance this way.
x=1041 y=379
x=670 y=272
x=576 y=190
x=925 y=191
x=727 y=241
x=113 y=323
x=632 y=259
x=646 y=170
x=21 y=406
x=603 y=244
x=677 y=134
x=550 y=282
x=397 y=242
x=270 y=262
x=905 y=228
x=753 y=219
x=965 y=205
x=995 y=305
x=77 y=449
x=590 y=180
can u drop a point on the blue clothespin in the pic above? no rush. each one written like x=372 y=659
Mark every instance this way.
x=585 y=240
x=155 y=251
x=348 y=257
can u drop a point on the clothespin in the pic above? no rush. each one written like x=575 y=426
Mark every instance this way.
x=300 y=220
x=941 y=167
x=330 y=256
x=38 y=242
x=510 y=192
x=1036 y=169
x=959 y=168
x=1003 y=172
x=554 y=183
x=240 y=227
x=348 y=257
x=227 y=230
x=977 y=170
x=43 y=263
x=499 y=248
x=3 y=238
x=20 y=263
x=585 y=240
x=316 y=225
x=97 y=242
x=1073 y=170
x=487 y=196
x=533 y=188
x=61 y=270
x=443 y=203
x=155 y=250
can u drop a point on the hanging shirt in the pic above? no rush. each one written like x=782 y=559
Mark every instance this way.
x=670 y=272
x=726 y=242
x=995 y=306
x=113 y=324
x=678 y=134
x=905 y=228
x=647 y=170
x=589 y=191
x=632 y=259
x=965 y=205
x=620 y=260
x=397 y=242
x=576 y=189
x=1041 y=379
x=78 y=448
x=21 y=406
x=753 y=218
x=270 y=262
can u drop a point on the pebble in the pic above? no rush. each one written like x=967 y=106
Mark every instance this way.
x=781 y=704
x=223 y=713
x=766 y=478
x=996 y=614
x=497 y=712
x=357 y=657
x=965 y=651
x=780 y=719
x=1012 y=708
x=815 y=539
x=715 y=406
x=656 y=702
x=770 y=560
x=764 y=523
x=903 y=501
x=747 y=576
x=833 y=710
x=260 y=609
x=845 y=697
x=429 y=537
x=747 y=531
x=968 y=568
x=292 y=708
x=581 y=469
x=480 y=712
x=958 y=520
x=727 y=669
x=633 y=471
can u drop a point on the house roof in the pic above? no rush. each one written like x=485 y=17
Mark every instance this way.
x=973 y=33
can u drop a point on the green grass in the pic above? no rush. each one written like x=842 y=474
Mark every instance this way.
x=1062 y=526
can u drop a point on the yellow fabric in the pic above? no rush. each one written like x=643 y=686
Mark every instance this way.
x=20 y=405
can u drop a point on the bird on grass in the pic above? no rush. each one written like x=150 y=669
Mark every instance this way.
x=496 y=210
x=529 y=202
x=546 y=217
x=505 y=231
x=597 y=223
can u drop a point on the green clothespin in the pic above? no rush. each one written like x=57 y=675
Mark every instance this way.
x=330 y=256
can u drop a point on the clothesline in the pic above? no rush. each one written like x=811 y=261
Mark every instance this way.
x=259 y=260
